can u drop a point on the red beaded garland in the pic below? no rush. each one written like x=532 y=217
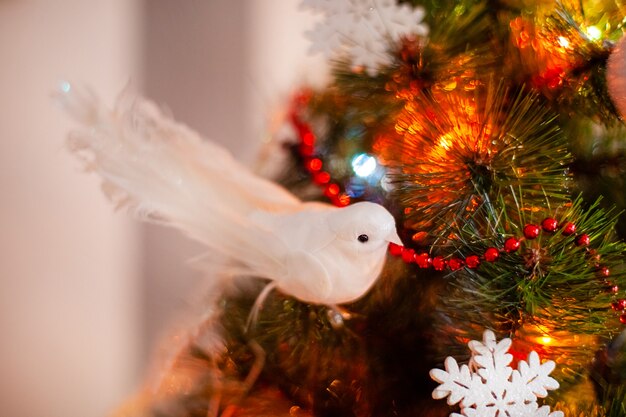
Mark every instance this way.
x=619 y=305
x=306 y=150
x=307 y=137
x=408 y=255
x=321 y=178
x=550 y=225
x=439 y=263
x=511 y=244
x=492 y=254
x=472 y=261
x=582 y=240
x=455 y=264
x=313 y=164
x=423 y=260
x=569 y=229
x=395 y=250
x=531 y=231
x=342 y=200
x=331 y=190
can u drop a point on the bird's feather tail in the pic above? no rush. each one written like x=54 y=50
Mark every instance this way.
x=166 y=173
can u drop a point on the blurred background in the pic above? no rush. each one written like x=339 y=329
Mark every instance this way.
x=85 y=293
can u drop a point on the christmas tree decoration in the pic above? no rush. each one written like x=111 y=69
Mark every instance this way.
x=453 y=149
x=563 y=48
x=363 y=29
x=490 y=387
x=458 y=51
x=333 y=146
x=549 y=225
x=530 y=284
x=491 y=133
x=166 y=172
x=367 y=174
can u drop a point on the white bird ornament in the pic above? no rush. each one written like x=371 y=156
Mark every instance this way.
x=168 y=174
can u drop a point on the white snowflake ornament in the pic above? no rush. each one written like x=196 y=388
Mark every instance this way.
x=489 y=387
x=363 y=30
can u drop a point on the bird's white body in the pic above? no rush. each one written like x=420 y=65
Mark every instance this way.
x=321 y=264
x=169 y=174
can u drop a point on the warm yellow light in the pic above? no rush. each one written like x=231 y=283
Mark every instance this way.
x=545 y=340
x=563 y=42
x=445 y=142
x=594 y=33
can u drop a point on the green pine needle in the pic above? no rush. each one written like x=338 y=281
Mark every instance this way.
x=550 y=283
x=448 y=160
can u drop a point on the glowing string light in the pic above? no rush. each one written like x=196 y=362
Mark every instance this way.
x=563 y=42
x=364 y=165
x=545 y=340
x=594 y=33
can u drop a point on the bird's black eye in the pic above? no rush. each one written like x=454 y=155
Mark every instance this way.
x=363 y=238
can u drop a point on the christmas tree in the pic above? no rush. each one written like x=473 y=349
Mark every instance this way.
x=493 y=131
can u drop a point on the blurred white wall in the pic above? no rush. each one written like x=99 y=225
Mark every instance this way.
x=69 y=322
x=85 y=293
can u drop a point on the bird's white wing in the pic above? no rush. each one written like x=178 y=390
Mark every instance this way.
x=306 y=278
x=167 y=173
x=135 y=143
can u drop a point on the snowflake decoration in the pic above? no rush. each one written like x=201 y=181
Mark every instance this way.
x=489 y=387
x=363 y=29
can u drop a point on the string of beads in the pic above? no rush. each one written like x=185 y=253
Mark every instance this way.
x=315 y=167
x=512 y=244
x=312 y=162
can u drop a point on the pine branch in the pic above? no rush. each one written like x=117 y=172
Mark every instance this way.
x=550 y=284
x=456 y=150
x=562 y=50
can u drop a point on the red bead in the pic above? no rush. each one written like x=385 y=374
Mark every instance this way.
x=511 y=244
x=569 y=229
x=614 y=289
x=582 y=240
x=455 y=264
x=395 y=250
x=331 y=190
x=531 y=231
x=314 y=165
x=342 y=200
x=439 y=263
x=321 y=177
x=492 y=254
x=622 y=318
x=408 y=255
x=604 y=271
x=550 y=225
x=423 y=260
x=619 y=305
x=307 y=138
x=472 y=261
